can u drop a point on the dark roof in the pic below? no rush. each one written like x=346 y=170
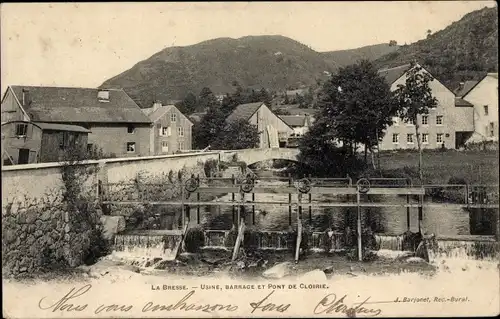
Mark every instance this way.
x=61 y=127
x=461 y=102
x=294 y=120
x=53 y=126
x=62 y=104
x=462 y=90
x=392 y=74
x=298 y=111
x=159 y=112
x=244 y=112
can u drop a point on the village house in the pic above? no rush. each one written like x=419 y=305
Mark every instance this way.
x=117 y=125
x=273 y=131
x=447 y=125
x=29 y=142
x=171 y=131
x=483 y=95
x=299 y=123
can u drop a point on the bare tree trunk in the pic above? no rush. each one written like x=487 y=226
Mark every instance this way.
x=366 y=154
x=373 y=158
x=419 y=153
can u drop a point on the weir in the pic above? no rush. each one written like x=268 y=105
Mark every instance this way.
x=168 y=245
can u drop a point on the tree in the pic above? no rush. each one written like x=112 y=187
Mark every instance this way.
x=188 y=105
x=265 y=97
x=429 y=32
x=358 y=106
x=237 y=135
x=207 y=130
x=393 y=43
x=206 y=99
x=415 y=98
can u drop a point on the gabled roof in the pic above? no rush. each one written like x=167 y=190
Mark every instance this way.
x=155 y=115
x=392 y=74
x=294 y=120
x=461 y=102
x=64 y=104
x=244 y=112
x=464 y=88
x=493 y=75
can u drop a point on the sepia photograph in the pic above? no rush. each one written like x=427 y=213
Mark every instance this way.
x=250 y=159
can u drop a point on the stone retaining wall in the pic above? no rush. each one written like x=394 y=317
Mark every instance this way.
x=40 y=234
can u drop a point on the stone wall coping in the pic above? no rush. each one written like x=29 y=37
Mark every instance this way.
x=102 y=161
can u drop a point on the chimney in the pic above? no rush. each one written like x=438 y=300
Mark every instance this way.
x=26 y=97
x=103 y=95
x=156 y=105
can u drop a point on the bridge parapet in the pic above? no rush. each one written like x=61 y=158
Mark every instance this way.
x=254 y=155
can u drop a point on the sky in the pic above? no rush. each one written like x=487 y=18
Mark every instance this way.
x=84 y=44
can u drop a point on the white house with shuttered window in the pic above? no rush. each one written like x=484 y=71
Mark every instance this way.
x=484 y=96
x=171 y=131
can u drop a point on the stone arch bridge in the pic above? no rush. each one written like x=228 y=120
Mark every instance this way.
x=254 y=155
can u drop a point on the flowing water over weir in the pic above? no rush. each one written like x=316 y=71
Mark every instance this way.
x=147 y=244
x=389 y=242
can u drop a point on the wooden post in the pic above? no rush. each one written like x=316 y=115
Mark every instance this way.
x=310 y=207
x=253 y=209
x=408 y=209
x=182 y=206
x=198 y=199
x=299 y=229
x=290 y=183
x=233 y=208
x=420 y=212
x=360 y=248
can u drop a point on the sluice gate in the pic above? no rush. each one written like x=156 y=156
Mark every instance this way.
x=300 y=200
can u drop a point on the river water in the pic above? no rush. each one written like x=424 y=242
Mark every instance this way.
x=446 y=220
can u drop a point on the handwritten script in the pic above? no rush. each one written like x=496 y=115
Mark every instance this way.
x=329 y=304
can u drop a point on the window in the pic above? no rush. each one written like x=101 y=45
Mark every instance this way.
x=439 y=120
x=395 y=138
x=63 y=140
x=21 y=129
x=395 y=121
x=90 y=147
x=492 y=129
x=130 y=147
x=409 y=138
x=164 y=146
x=181 y=146
x=425 y=119
x=165 y=131
x=439 y=138
x=486 y=110
x=130 y=129
x=180 y=131
x=410 y=122
x=425 y=138
x=173 y=117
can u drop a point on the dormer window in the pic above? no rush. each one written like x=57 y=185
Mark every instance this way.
x=103 y=95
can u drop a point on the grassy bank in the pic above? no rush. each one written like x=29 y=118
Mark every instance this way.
x=475 y=167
